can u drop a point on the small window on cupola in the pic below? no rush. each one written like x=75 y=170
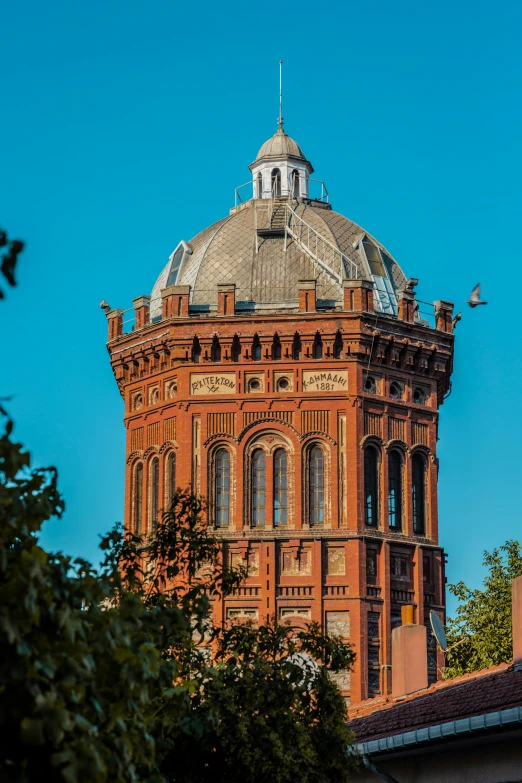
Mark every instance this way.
x=380 y=267
x=176 y=261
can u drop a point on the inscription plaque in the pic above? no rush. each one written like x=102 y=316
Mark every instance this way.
x=329 y=380
x=223 y=383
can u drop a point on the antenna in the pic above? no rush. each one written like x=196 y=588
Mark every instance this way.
x=280 y=120
x=438 y=630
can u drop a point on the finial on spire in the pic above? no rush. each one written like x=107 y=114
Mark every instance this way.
x=280 y=120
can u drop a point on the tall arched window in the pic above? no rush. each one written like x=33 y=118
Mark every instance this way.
x=318 y=347
x=280 y=487
x=395 y=490
x=418 y=486
x=316 y=486
x=154 y=492
x=256 y=349
x=371 y=487
x=258 y=488
x=276 y=182
x=138 y=499
x=295 y=183
x=222 y=487
x=259 y=185
x=170 y=477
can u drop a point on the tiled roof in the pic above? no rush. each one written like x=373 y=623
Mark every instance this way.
x=498 y=688
x=226 y=253
x=280 y=145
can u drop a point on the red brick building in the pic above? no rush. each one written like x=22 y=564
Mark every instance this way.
x=281 y=368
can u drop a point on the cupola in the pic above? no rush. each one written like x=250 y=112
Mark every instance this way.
x=280 y=168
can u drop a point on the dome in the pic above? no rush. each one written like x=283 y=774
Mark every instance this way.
x=266 y=274
x=280 y=146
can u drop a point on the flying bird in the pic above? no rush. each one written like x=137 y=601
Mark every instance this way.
x=456 y=319
x=474 y=298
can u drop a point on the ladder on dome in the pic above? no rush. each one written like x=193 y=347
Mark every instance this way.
x=321 y=250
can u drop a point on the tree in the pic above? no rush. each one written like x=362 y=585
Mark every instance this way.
x=10 y=249
x=483 y=616
x=106 y=674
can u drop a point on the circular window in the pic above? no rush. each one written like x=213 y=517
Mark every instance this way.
x=283 y=384
x=419 y=397
x=395 y=391
x=255 y=384
x=370 y=385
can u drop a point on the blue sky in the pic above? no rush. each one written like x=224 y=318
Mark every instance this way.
x=126 y=127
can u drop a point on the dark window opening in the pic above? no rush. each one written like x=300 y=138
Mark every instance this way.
x=170 y=477
x=236 y=349
x=371 y=566
x=371 y=487
x=276 y=182
x=338 y=346
x=395 y=490
x=395 y=391
x=256 y=349
x=154 y=492
x=259 y=185
x=296 y=347
x=370 y=385
x=419 y=494
x=276 y=348
x=318 y=347
x=295 y=183
x=215 y=353
x=196 y=351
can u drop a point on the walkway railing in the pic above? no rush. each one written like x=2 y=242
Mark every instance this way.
x=332 y=260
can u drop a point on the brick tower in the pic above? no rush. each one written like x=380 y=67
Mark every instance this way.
x=281 y=368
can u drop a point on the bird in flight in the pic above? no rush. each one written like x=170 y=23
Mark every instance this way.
x=474 y=298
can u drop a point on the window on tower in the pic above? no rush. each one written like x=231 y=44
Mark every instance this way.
x=418 y=488
x=280 y=487
x=259 y=185
x=256 y=349
x=318 y=347
x=222 y=488
x=258 y=488
x=154 y=492
x=138 y=499
x=170 y=478
x=316 y=486
x=371 y=487
x=394 y=490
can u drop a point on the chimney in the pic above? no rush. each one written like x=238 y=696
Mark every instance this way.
x=226 y=298
x=358 y=295
x=409 y=656
x=307 y=292
x=516 y=588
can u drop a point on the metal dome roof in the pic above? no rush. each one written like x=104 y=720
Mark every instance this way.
x=280 y=145
x=226 y=253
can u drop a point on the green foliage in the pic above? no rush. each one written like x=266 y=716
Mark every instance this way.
x=10 y=249
x=105 y=674
x=484 y=616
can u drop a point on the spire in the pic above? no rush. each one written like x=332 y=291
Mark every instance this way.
x=280 y=128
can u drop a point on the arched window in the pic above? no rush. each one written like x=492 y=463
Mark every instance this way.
x=196 y=350
x=318 y=347
x=259 y=185
x=338 y=346
x=395 y=490
x=138 y=499
x=280 y=487
x=170 y=477
x=276 y=347
x=222 y=488
x=154 y=492
x=418 y=487
x=256 y=349
x=276 y=182
x=216 y=350
x=371 y=487
x=236 y=349
x=258 y=488
x=296 y=347
x=316 y=486
x=295 y=183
